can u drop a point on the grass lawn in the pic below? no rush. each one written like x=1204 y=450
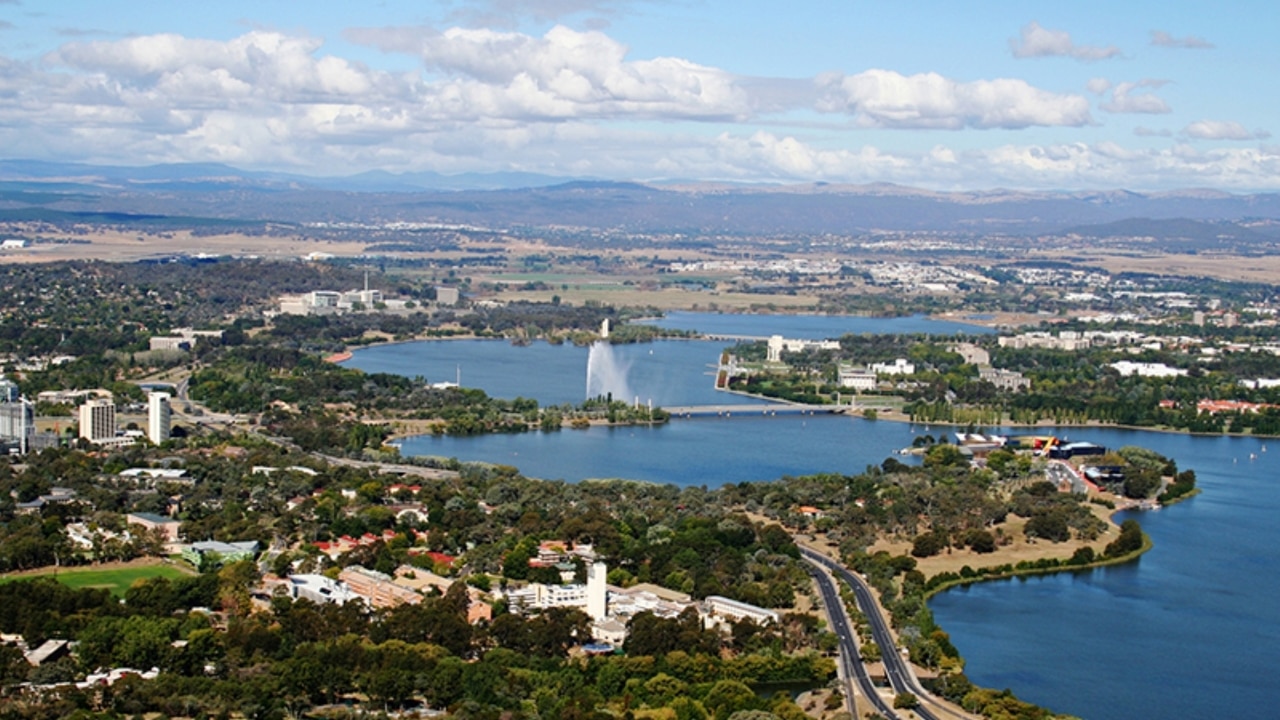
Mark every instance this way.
x=117 y=579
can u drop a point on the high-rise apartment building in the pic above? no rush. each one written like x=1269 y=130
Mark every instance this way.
x=18 y=423
x=98 y=420
x=159 y=415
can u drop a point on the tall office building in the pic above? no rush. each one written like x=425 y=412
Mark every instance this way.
x=597 y=591
x=98 y=420
x=18 y=423
x=158 y=417
x=8 y=390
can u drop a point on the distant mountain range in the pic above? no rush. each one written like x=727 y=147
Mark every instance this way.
x=508 y=200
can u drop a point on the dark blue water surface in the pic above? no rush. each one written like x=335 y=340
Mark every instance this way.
x=811 y=327
x=1191 y=630
x=668 y=372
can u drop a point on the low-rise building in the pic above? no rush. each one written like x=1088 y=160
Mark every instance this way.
x=166 y=525
x=320 y=589
x=378 y=589
x=855 y=378
x=202 y=552
x=899 y=366
x=1004 y=379
x=719 y=610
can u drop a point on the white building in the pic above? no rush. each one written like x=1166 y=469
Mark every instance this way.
x=1127 y=368
x=98 y=420
x=1004 y=379
x=159 y=417
x=779 y=345
x=722 y=609
x=446 y=295
x=897 y=367
x=972 y=354
x=539 y=596
x=597 y=591
x=161 y=342
x=856 y=379
x=18 y=423
x=320 y=589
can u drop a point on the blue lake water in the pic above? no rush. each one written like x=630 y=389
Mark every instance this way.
x=812 y=327
x=1190 y=630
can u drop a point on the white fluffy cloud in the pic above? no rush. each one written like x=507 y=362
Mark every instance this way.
x=571 y=102
x=1036 y=41
x=563 y=74
x=1160 y=38
x=1222 y=130
x=1136 y=97
x=267 y=63
x=883 y=98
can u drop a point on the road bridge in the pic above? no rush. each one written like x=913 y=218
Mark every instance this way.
x=689 y=411
x=734 y=338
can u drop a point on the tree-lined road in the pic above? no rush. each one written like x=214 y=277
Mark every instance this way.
x=852 y=669
x=901 y=678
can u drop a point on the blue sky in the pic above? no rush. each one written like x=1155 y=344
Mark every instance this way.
x=944 y=95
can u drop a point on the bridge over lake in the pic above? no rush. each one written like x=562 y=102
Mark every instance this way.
x=688 y=411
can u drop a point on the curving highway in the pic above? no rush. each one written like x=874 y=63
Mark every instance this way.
x=851 y=665
x=901 y=679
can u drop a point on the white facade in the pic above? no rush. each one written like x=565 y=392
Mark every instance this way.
x=320 y=589
x=161 y=342
x=18 y=423
x=720 y=609
x=1127 y=368
x=98 y=420
x=897 y=367
x=779 y=345
x=159 y=417
x=446 y=295
x=597 y=591
x=856 y=379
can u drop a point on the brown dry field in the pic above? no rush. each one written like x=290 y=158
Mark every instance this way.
x=665 y=299
x=1264 y=269
x=1018 y=549
x=116 y=246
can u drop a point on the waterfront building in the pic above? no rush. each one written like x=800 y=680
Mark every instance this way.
x=1004 y=379
x=778 y=345
x=856 y=379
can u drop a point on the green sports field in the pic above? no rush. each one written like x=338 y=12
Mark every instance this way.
x=117 y=580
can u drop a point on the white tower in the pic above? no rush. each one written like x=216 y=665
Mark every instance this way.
x=159 y=416
x=597 y=593
x=604 y=328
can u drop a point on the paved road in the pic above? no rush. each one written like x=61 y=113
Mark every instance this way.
x=852 y=669
x=895 y=666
